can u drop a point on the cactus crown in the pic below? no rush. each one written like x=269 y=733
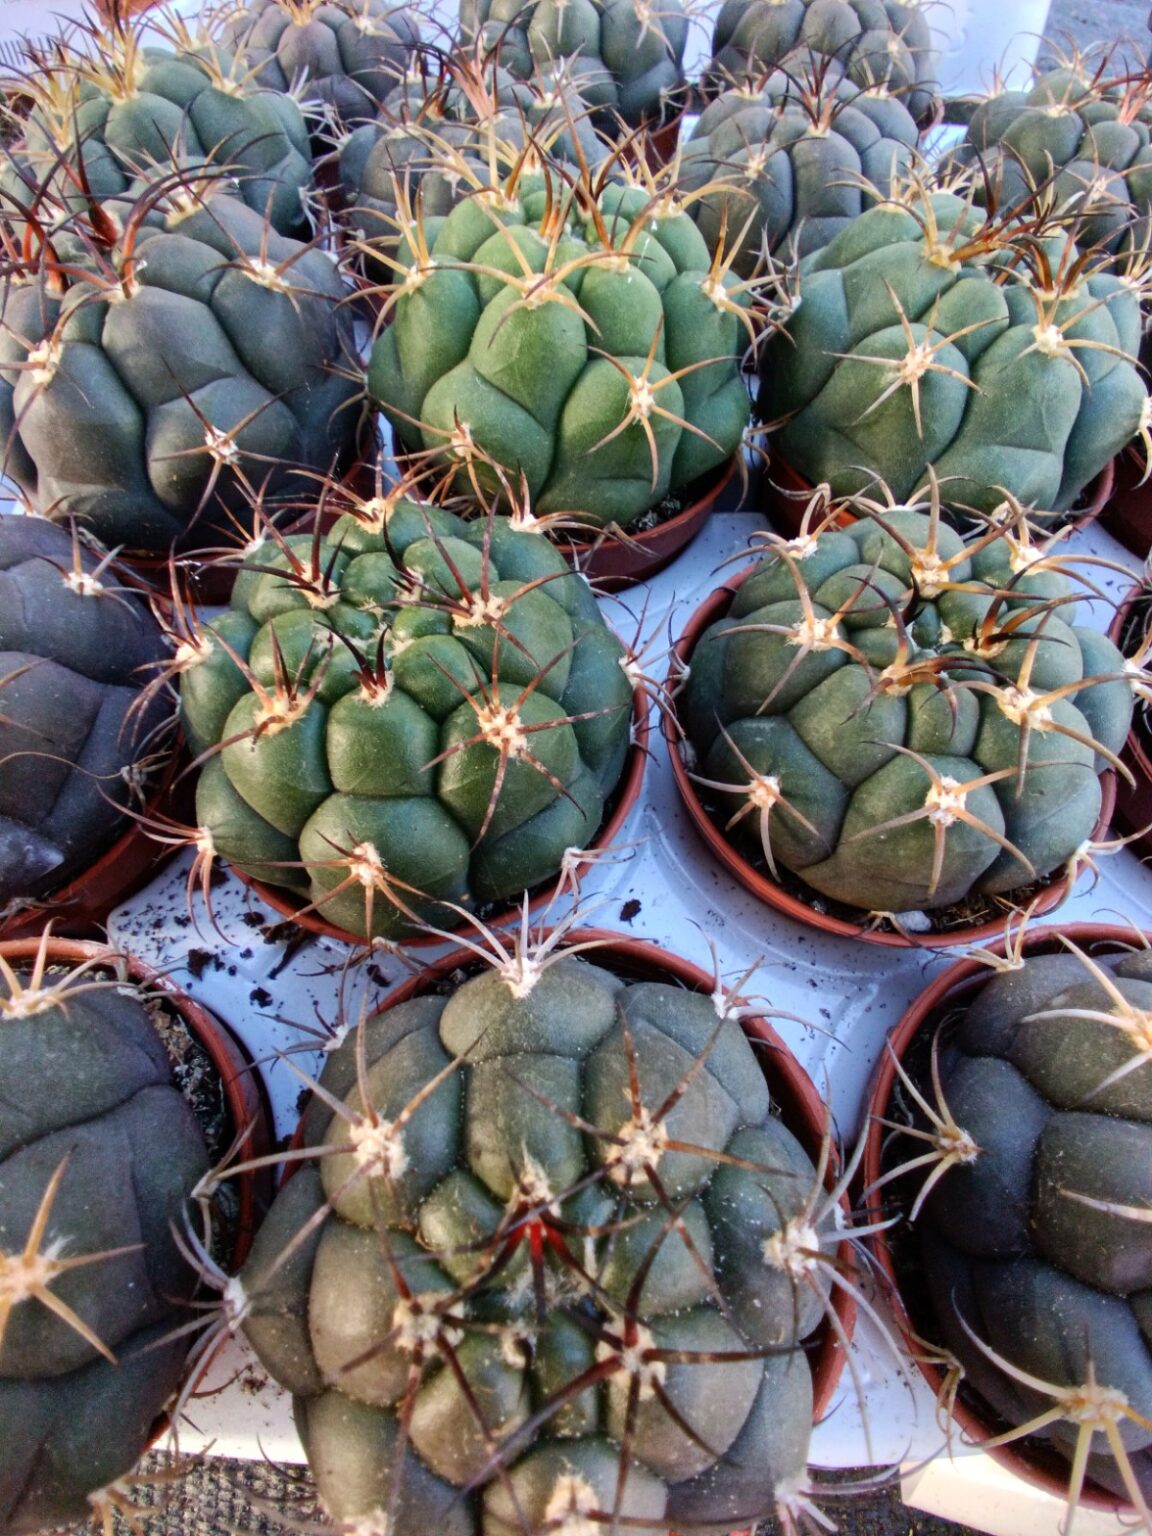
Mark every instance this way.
x=586 y=1315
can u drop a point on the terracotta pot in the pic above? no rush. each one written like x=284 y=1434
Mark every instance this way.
x=760 y=882
x=615 y=564
x=289 y=905
x=243 y=1091
x=952 y=989
x=786 y=494
x=1134 y=801
x=662 y=142
x=79 y=908
x=1128 y=516
x=802 y=1110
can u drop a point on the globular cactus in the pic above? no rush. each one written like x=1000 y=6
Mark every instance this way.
x=878 y=43
x=105 y=110
x=78 y=731
x=1077 y=138
x=576 y=333
x=903 y=721
x=630 y=52
x=547 y=1264
x=929 y=335
x=99 y=1157
x=411 y=711
x=441 y=136
x=167 y=367
x=343 y=55
x=799 y=154
x=1034 y=1237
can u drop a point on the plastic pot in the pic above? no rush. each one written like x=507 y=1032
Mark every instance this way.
x=760 y=882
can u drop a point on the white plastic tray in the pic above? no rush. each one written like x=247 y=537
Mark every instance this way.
x=668 y=890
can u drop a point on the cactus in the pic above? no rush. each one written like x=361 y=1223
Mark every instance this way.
x=1080 y=139
x=343 y=55
x=1034 y=1237
x=99 y=1157
x=107 y=109
x=800 y=154
x=173 y=364
x=930 y=336
x=878 y=42
x=409 y=712
x=439 y=136
x=584 y=1253
x=903 y=720
x=78 y=737
x=630 y=52
x=577 y=334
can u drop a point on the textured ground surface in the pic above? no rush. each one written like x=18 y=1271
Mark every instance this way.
x=219 y=1497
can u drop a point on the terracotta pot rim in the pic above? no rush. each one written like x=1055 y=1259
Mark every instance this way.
x=761 y=885
x=952 y=986
x=627 y=793
x=240 y=1081
x=791 y=1087
x=114 y=875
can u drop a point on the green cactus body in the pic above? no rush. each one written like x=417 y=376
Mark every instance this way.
x=414 y=727
x=927 y=340
x=1034 y=1243
x=76 y=651
x=344 y=55
x=148 y=397
x=630 y=52
x=797 y=153
x=595 y=356
x=117 y=113
x=877 y=42
x=861 y=720
x=570 y=1317
x=1081 y=141
x=440 y=137
x=97 y=1143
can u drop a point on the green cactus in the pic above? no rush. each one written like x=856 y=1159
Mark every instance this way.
x=630 y=52
x=583 y=1252
x=99 y=1157
x=801 y=153
x=1079 y=140
x=929 y=336
x=342 y=55
x=107 y=110
x=581 y=339
x=79 y=733
x=1032 y=1231
x=411 y=711
x=440 y=135
x=878 y=43
x=171 y=366
x=902 y=720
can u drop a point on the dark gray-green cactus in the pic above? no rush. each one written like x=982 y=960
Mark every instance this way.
x=877 y=42
x=928 y=335
x=583 y=1253
x=583 y=339
x=415 y=710
x=78 y=736
x=158 y=382
x=105 y=112
x=801 y=153
x=99 y=1157
x=630 y=52
x=903 y=721
x=1079 y=141
x=1034 y=1239
x=344 y=55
